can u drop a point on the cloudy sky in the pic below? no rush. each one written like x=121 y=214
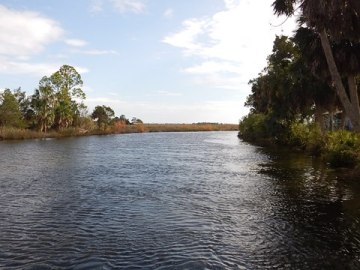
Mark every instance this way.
x=159 y=60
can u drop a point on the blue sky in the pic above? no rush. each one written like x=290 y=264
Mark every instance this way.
x=159 y=60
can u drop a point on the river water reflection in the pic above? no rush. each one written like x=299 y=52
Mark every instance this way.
x=172 y=201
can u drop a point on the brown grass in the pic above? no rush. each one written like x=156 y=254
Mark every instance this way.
x=190 y=127
x=22 y=134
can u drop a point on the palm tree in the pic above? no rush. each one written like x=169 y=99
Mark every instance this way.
x=67 y=84
x=44 y=103
x=336 y=22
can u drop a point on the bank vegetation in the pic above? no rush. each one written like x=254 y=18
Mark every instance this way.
x=307 y=97
x=56 y=109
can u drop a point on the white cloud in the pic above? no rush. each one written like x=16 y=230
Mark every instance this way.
x=9 y=66
x=231 y=3
x=168 y=93
x=24 y=33
x=123 y=6
x=231 y=44
x=228 y=82
x=76 y=42
x=186 y=39
x=96 y=6
x=169 y=13
x=214 y=67
x=98 y=52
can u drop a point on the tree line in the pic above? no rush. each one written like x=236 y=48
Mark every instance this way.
x=314 y=72
x=57 y=103
x=311 y=82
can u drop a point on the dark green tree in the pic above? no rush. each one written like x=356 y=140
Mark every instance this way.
x=337 y=24
x=25 y=107
x=66 y=83
x=286 y=90
x=135 y=121
x=44 y=102
x=124 y=120
x=10 y=114
x=103 y=115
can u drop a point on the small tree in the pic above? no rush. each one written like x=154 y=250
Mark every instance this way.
x=10 y=114
x=103 y=115
x=124 y=120
x=135 y=121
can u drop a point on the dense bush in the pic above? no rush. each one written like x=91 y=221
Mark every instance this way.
x=253 y=127
x=339 y=148
x=342 y=149
x=307 y=137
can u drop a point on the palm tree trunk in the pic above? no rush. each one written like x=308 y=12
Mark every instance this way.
x=319 y=117
x=349 y=106
x=354 y=93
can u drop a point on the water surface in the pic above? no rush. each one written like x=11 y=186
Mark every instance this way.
x=172 y=201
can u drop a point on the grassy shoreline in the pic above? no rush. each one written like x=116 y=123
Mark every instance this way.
x=23 y=134
x=339 y=149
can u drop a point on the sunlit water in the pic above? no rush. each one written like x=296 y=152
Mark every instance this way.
x=172 y=201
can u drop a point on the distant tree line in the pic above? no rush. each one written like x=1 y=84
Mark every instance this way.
x=57 y=104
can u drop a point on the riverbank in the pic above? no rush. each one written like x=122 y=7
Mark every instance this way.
x=23 y=134
x=338 y=149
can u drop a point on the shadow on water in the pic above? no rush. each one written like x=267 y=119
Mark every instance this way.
x=323 y=206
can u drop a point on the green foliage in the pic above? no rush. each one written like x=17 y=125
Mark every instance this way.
x=58 y=101
x=44 y=103
x=339 y=148
x=253 y=127
x=329 y=36
x=103 y=115
x=339 y=18
x=67 y=82
x=307 y=137
x=25 y=107
x=286 y=90
x=342 y=149
x=313 y=72
x=10 y=114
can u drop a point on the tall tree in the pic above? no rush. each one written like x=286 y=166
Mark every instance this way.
x=286 y=88
x=44 y=103
x=67 y=84
x=25 y=107
x=336 y=22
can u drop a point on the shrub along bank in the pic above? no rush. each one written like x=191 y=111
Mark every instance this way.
x=340 y=148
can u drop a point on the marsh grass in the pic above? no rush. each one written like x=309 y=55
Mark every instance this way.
x=117 y=128
x=189 y=127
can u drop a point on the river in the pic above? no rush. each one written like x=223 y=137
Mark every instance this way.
x=201 y=200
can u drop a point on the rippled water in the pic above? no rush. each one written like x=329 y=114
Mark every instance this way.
x=172 y=201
